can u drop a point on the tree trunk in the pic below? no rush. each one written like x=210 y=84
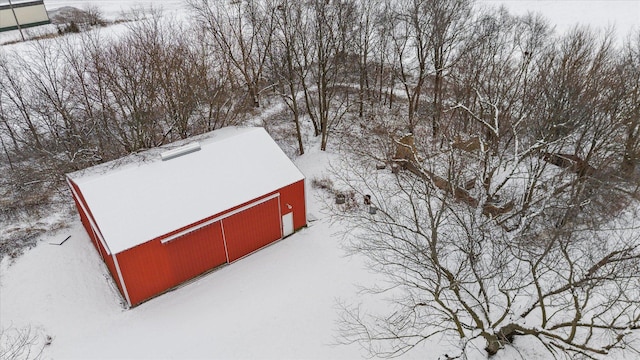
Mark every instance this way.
x=504 y=336
x=629 y=159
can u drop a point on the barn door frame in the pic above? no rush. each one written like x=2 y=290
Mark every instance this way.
x=231 y=243
x=226 y=215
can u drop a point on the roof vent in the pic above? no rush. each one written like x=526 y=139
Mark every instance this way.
x=183 y=150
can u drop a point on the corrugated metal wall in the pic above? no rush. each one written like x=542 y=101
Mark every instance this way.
x=84 y=218
x=251 y=229
x=154 y=267
x=197 y=252
x=294 y=196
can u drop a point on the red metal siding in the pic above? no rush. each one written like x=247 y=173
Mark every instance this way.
x=197 y=252
x=293 y=195
x=108 y=259
x=85 y=221
x=252 y=229
x=152 y=268
x=84 y=218
x=146 y=271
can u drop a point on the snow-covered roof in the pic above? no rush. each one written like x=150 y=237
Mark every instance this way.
x=134 y=201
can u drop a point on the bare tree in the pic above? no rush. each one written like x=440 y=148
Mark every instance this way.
x=89 y=95
x=556 y=271
x=17 y=107
x=331 y=41
x=69 y=103
x=382 y=75
x=21 y=344
x=285 y=51
x=505 y=236
x=447 y=26
x=630 y=67
x=67 y=132
x=426 y=42
x=364 y=44
x=153 y=85
x=242 y=31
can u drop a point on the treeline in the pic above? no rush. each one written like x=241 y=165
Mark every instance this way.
x=72 y=102
x=446 y=68
x=92 y=98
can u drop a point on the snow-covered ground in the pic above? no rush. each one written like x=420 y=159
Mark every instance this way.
x=563 y=15
x=277 y=303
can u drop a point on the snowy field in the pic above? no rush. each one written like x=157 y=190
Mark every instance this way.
x=624 y=15
x=277 y=303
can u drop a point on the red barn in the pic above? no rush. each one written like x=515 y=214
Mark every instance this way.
x=167 y=215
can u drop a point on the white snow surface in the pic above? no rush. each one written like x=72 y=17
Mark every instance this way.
x=623 y=15
x=277 y=303
x=142 y=200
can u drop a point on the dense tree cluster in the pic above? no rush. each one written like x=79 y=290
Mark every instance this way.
x=92 y=98
x=85 y=99
x=510 y=212
x=517 y=175
x=72 y=102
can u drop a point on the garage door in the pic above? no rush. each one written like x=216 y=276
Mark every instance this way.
x=154 y=267
x=199 y=251
x=253 y=228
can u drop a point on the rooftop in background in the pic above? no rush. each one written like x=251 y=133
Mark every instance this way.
x=142 y=197
x=21 y=15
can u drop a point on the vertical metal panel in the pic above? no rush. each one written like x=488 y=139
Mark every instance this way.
x=85 y=223
x=197 y=252
x=224 y=240
x=124 y=290
x=108 y=260
x=153 y=267
x=146 y=270
x=252 y=229
x=84 y=218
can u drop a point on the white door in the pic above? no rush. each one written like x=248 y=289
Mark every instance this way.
x=287 y=224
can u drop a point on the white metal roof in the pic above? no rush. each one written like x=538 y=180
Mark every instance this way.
x=134 y=201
